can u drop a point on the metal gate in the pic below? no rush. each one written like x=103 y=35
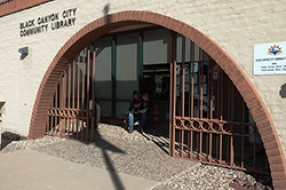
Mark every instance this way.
x=73 y=107
x=210 y=122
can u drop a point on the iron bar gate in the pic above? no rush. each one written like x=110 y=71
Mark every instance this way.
x=73 y=107
x=209 y=120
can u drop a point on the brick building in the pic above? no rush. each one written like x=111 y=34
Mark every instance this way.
x=188 y=45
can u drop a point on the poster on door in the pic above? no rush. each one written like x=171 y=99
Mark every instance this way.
x=158 y=83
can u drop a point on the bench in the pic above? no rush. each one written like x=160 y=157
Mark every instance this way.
x=152 y=115
x=136 y=123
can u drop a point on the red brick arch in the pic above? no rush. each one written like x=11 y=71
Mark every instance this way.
x=105 y=24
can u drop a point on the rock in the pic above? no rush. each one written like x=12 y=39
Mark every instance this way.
x=259 y=186
x=236 y=186
x=249 y=186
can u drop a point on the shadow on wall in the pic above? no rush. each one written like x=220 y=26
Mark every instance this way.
x=282 y=91
x=8 y=137
x=107 y=18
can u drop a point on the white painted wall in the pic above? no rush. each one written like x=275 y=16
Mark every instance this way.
x=235 y=25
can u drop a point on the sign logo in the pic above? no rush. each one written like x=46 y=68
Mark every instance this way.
x=275 y=50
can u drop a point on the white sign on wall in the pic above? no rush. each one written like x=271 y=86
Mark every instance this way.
x=269 y=59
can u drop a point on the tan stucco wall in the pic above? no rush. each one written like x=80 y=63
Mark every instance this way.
x=235 y=25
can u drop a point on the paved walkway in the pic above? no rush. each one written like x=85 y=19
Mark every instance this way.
x=31 y=170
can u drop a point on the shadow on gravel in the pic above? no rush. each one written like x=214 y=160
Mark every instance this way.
x=163 y=145
x=158 y=129
x=152 y=129
x=106 y=146
x=161 y=131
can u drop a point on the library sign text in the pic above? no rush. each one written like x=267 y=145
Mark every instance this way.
x=52 y=21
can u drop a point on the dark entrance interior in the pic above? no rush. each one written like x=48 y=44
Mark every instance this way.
x=156 y=82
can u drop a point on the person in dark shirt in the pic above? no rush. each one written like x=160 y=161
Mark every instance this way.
x=136 y=105
x=136 y=102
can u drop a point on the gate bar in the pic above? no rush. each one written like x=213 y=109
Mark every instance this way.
x=69 y=98
x=73 y=94
x=174 y=89
x=221 y=96
x=78 y=86
x=211 y=87
x=183 y=92
x=87 y=92
x=192 y=80
x=183 y=76
x=229 y=118
x=94 y=108
x=64 y=102
x=56 y=105
x=201 y=83
x=242 y=138
x=82 y=92
x=174 y=106
x=232 y=126
x=210 y=68
x=171 y=98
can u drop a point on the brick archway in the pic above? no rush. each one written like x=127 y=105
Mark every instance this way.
x=105 y=24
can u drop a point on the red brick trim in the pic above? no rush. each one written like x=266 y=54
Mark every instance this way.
x=105 y=24
x=12 y=6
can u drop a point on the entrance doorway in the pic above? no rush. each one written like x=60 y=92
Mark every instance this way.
x=208 y=119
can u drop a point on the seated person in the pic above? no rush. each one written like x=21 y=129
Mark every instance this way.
x=136 y=108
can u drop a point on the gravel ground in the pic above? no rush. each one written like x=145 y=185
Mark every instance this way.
x=144 y=156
